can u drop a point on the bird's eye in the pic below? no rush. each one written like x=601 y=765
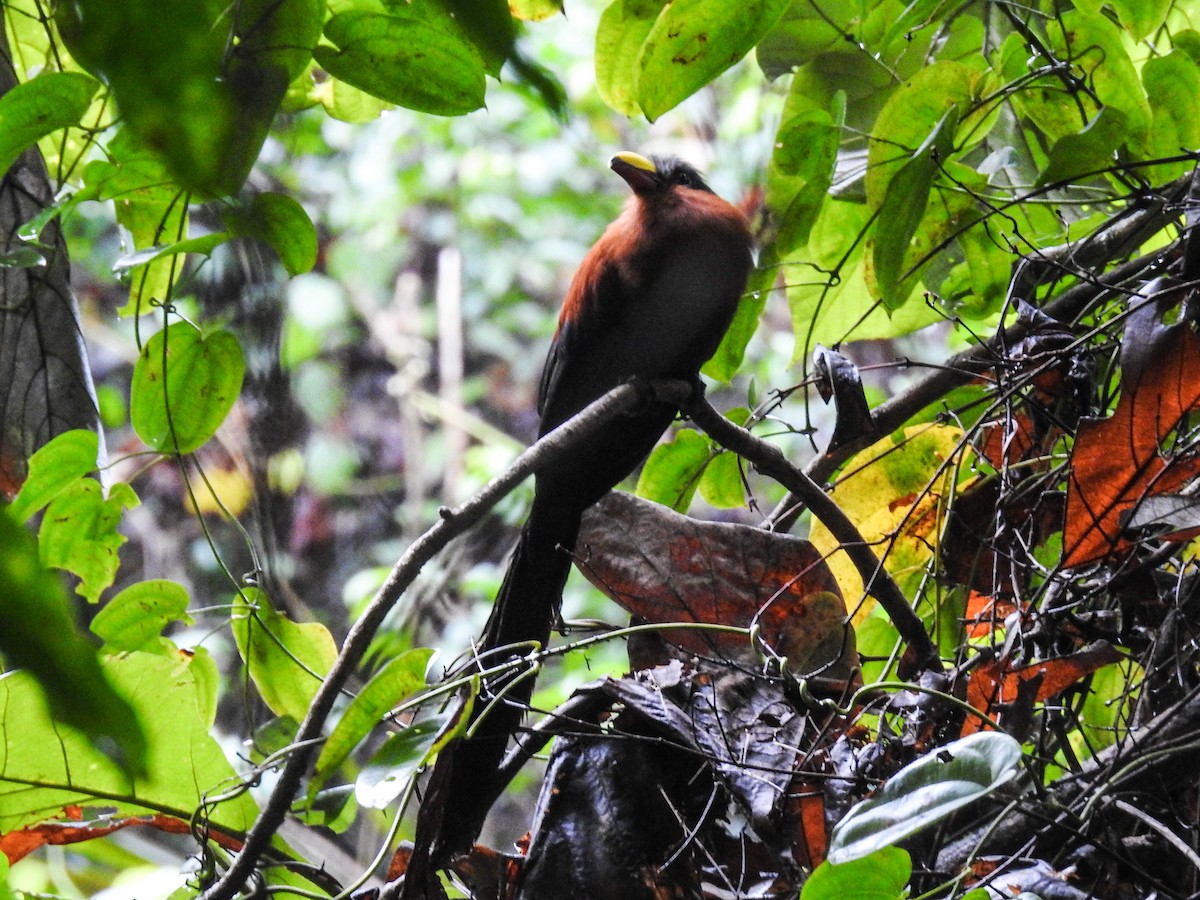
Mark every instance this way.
x=684 y=179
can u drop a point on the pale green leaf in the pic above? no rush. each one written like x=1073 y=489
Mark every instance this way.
x=882 y=875
x=623 y=29
x=694 y=41
x=40 y=637
x=135 y=618
x=286 y=660
x=79 y=533
x=45 y=767
x=54 y=468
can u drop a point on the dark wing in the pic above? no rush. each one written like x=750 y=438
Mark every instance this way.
x=569 y=376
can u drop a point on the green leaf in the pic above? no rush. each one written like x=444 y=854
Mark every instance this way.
x=40 y=637
x=54 y=468
x=79 y=533
x=833 y=308
x=801 y=169
x=732 y=350
x=1097 y=50
x=204 y=245
x=36 y=108
x=882 y=875
x=334 y=808
x=623 y=29
x=183 y=387
x=405 y=59
x=277 y=33
x=136 y=617
x=228 y=71
x=45 y=767
x=347 y=103
x=1172 y=85
x=395 y=764
x=25 y=256
x=672 y=472
x=694 y=41
x=1088 y=151
x=281 y=222
x=286 y=660
x=489 y=25
x=804 y=33
x=5 y=892
x=399 y=679
x=911 y=115
x=925 y=792
x=1139 y=17
x=149 y=205
x=903 y=207
x=721 y=484
x=535 y=10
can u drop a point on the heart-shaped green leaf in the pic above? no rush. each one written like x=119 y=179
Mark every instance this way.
x=184 y=384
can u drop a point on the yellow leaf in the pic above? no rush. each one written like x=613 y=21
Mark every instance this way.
x=895 y=492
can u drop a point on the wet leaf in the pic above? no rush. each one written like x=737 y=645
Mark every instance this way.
x=395 y=764
x=925 y=792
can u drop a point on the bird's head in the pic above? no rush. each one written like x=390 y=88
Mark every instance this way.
x=656 y=175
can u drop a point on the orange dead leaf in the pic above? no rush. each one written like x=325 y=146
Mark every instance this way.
x=812 y=837
x=20 y=843
x=984 y=614
x=665 y=567
x=1007 y=442
x=993 y=684
x=1117 y=462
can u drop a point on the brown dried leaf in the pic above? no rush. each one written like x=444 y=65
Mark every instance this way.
x=664 y=567
x=994 y=684
x=1117 y=462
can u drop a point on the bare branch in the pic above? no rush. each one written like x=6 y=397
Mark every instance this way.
x=559 y=443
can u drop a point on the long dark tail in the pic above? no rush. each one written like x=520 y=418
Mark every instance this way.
x=466 y=779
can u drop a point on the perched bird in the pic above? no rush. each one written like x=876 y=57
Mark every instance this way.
x=652 y=299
